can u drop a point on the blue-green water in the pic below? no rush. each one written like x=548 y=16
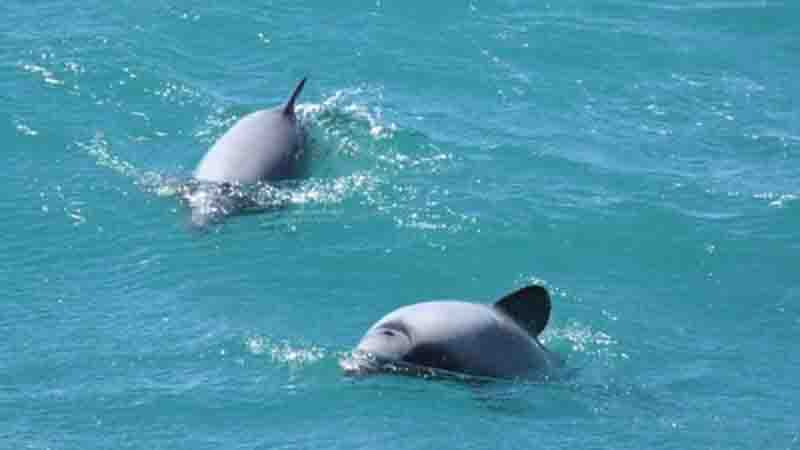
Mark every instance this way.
x=639 y=158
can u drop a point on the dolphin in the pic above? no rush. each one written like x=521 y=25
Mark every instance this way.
x=498 y=340
x=265 y=145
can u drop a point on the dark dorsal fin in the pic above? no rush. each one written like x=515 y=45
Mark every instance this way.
x=529 y=307
x=288 y=110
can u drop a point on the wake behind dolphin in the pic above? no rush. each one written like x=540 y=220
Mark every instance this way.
x=265 y=145
x=499 y=340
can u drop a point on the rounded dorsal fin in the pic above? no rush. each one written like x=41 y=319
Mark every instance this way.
x=288 y=110
x=529 y=307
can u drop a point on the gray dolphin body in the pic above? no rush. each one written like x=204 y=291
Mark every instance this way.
x=498 y=340
x=265 y=145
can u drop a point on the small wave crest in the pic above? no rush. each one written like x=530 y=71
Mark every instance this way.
x=777 y=199
x=99 y=149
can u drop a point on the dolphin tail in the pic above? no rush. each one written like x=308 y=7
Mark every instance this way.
x=529 y=307
x=288 y=110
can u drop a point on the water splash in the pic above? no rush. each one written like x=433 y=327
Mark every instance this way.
x=344 y=110
x=582 y=338
x=261 y=195
x=355 y=153
x=285 y=352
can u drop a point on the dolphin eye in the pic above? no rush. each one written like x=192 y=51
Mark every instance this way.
x=393 y=329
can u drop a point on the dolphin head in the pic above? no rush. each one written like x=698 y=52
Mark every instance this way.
x=405 y=342
x=385 y=345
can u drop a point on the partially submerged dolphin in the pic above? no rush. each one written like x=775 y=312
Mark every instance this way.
x=498 y=340
x=265 y=145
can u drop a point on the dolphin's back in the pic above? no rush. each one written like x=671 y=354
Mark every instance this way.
x=260 y=146
x=469 y=338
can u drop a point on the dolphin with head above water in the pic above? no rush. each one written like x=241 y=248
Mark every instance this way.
x=266 y=145
x=498 y=340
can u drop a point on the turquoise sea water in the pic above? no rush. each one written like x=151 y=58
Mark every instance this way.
x=641 y=159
